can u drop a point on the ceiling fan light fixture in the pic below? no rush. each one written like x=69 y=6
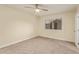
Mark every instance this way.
x=37 y=10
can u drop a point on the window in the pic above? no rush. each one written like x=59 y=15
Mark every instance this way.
x=57 y=24
x=54 y=24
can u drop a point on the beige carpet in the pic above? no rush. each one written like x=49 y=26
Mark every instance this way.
x=41 y=45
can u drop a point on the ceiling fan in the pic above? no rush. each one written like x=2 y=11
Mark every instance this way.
x=36 y=8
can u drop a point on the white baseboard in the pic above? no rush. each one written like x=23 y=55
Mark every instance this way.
x=25 y=39
x=55 y=38
x=16 y=42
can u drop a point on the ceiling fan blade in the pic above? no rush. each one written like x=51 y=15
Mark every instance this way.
x=29 y=7
x=43 y=9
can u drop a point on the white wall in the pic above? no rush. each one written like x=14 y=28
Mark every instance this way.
x=68 y=27
x=15 y=26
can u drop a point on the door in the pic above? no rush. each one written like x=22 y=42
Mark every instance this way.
x=77 y=31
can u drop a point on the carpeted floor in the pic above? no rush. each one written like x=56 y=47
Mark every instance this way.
x=41 y=45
